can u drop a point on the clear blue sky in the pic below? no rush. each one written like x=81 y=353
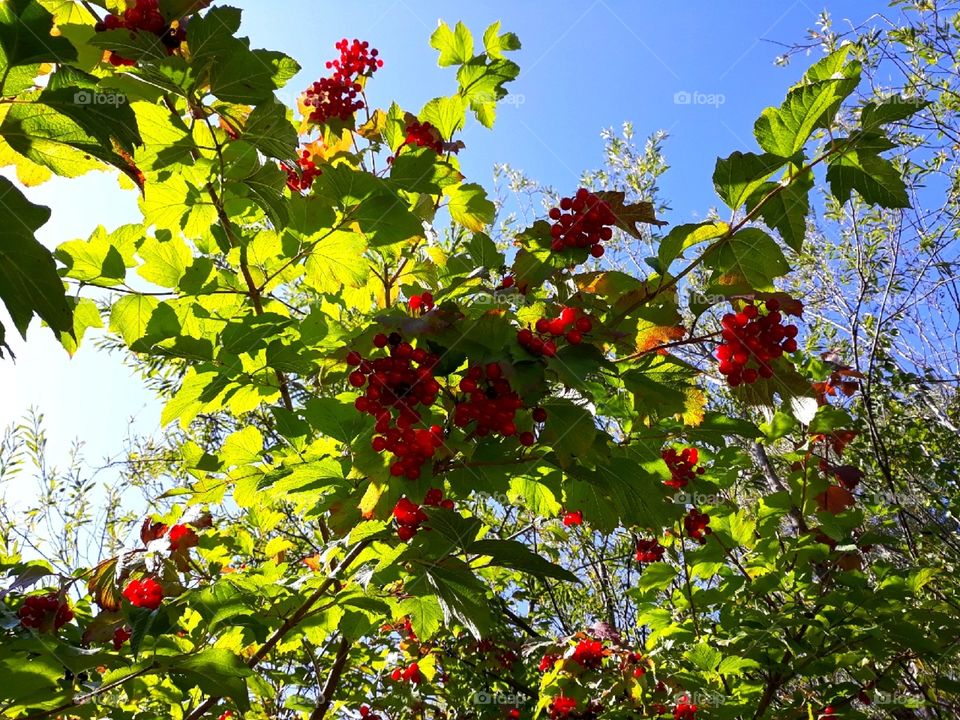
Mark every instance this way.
x=586 y=65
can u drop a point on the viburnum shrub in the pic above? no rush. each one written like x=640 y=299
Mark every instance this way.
x=414 y=454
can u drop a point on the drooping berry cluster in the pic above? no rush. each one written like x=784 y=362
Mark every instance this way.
x=396 y=387
x=45 y=612
x=301 y=177
x=684 y=710
x=571 y=324
x=410 y=674
x=356 y=59
x=633 y=663
x=751 y=340
x=145 y=16
x=423 y=134
x=682 y=465
x=121 y=635
x=697 y=525
x=421 y=303
x=589 y=654
x=581 y=221
x=338 y=96
x=146 y=593
x=410 y=516
x=182 y=538
x=491 y=403
x=648 y=551
x=562 y=707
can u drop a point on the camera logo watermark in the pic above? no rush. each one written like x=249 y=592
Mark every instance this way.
x=86 y=97
x=695 y=499
x=497 y=698
x=695 y=97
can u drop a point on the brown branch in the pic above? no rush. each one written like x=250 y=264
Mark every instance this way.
x=333 y=679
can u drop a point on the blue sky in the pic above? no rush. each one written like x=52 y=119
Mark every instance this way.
x=585 y=66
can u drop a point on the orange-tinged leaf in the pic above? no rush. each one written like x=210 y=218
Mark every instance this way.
x=630 y=216
x=370 y=499
x=312 y=562
x=653 y=336
x=103 y=585
x=835 y=499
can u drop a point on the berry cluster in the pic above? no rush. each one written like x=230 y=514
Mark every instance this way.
x=632 y=662
x=301 y=177
x=146 y=593
x=581 y=221
x=573 y=517
x=395 y=387
x=649 y=551
x=571 y=324
x=561 y=707
x=504 y=656
x=182 y=538
x=752 y=340
x=682 y=465
x=120 y=636
x=684 y=710
x=410 y=516
x=367 y=714
x=697 y=525
x=424 y=135
x=410 y=674
x=490 y=403
x=356 y=59
x=589 y=654
x=337 y=97
x=45 y=612
x=143 y=15
x=547 y=662
x=422 y=303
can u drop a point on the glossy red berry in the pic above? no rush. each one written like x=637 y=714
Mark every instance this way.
x=583 y=221
x=572 y=518
x=752 y=340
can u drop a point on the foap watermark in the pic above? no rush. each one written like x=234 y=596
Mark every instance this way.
x=696 y=499
x=504 y=299
x=515 y=99
x=703 y=698
x=695 y=97
x=86 y=97
x=497 y=698
x=900 y=498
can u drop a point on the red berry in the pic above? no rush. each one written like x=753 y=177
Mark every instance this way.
x=526 y=439
x=574 y=337
x=574 y=517
x=539 y=414
x=146 y=593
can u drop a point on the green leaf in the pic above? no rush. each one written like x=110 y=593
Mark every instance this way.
x=334 y=418
x=685 y=236
x=268 y=129
x=569 y=430
x=470 y=207
x=337 y=261
x=164 y=262
x=422 y=171
x=496 y=44
x=425 y=613
x=130 y=315
x=455 y=46
x=736 y=177
x=171 y=203
x=29 y=283
x=704 y=657
x=482 y=85
x=26 y=43
x=656 y=576
x=811 y=104
x=876 y=179
x=891 y=109
x=517 y=556
x=446 y=114
x=786 y=209
x=749 y=256
x=217 y=672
